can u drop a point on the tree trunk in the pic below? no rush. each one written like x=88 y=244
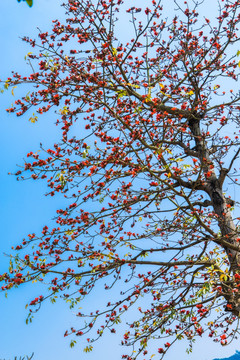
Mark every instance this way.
x=213 y=187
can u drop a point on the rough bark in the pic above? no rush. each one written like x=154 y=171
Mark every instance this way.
x=220 y=204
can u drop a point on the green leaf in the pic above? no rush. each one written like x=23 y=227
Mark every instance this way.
x=26 y=56
x=138 y=110
x=6 y=84
x=114 y=52
x=88 y=349
x=29 y=2
x=122 y=93
x=33 y=119
x=72 y=343
x=12 y=91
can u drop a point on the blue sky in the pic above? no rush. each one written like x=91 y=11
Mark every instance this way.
x=24 y=209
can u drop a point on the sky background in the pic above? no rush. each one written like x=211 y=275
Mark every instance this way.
x=25 y=209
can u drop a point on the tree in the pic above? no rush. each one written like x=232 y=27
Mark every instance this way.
x=29 y=2
x=147 y=159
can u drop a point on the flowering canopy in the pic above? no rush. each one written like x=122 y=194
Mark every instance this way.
x=148 y=155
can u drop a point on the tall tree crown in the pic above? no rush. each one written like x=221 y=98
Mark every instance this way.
x=148 y=155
